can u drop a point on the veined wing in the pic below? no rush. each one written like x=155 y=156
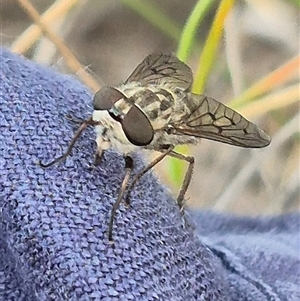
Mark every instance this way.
x=213 y=120
x=158 y=68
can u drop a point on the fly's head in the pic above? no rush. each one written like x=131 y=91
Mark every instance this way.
x=121 y=124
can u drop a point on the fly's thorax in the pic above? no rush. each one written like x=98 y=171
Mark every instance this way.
x=164 y=105
x=156 y=101
x=130 y=89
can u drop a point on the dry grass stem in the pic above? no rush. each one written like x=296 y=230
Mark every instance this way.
x=56 y=12
x=72 y=62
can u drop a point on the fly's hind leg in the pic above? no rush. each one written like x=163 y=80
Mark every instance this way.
x=145 y=170
x=187 y=177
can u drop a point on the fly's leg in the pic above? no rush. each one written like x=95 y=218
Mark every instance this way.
x=128 y=170
x=187 y=177
x=98 y=159
x=75 y=119
x=144 y=171
x=82 y=127
x=185 y=183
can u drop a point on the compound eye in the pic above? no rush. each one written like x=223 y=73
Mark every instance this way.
x=106 y=97
x=137 y=127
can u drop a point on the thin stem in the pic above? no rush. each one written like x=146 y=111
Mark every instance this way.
x=58 y=42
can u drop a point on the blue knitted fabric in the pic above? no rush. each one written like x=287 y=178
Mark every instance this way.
x=54 y=221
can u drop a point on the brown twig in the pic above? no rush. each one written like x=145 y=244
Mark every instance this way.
x=57 y=11
x=72 y=62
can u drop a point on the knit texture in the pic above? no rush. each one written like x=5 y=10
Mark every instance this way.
x=54 y=221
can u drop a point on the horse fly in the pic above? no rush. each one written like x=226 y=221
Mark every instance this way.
x=154 y=109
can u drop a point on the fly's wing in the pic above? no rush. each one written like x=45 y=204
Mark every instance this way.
x=212 y=120
x=158 y=68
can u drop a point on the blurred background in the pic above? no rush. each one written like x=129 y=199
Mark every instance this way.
x=243 y=53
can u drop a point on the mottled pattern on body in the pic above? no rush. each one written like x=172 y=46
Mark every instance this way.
x=157 y=94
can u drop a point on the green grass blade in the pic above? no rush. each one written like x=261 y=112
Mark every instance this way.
x=155 y=16
x=192 y=24
x=210 y=48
